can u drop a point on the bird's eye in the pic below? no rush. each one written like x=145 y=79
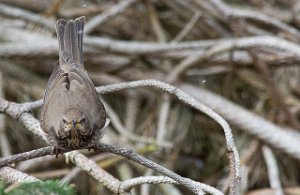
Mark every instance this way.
x=82 y=120
x=64 y=121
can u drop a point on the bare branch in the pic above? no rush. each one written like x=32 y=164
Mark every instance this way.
x=193 y=186
x=92 y=169
x=26 y=15
x=130 y=183
x=107 y=15
x=253 y=15
x=4 y=143
x=188 y=27
x=128 y=134
x=278 y=137
x=232 y=152
x=26 y=155
x=273 y=171
x=11 y=175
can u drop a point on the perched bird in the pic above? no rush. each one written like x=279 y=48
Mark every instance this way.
x=72 y=115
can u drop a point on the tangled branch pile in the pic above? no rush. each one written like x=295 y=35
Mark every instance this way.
x=238 y=58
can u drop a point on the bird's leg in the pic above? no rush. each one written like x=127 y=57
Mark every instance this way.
x=56 y=151
x=92 y=147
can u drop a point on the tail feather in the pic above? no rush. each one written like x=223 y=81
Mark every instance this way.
x=70 y=35
x=60 y=30
x=79 y=22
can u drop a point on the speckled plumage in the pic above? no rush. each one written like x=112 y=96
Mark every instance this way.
x=72 y=116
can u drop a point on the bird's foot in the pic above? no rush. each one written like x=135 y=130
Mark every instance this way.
x=93 y=147
x=57 y=151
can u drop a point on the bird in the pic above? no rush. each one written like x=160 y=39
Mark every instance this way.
x=72 y=115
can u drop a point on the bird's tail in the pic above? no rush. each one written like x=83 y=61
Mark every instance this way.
x=70 y=35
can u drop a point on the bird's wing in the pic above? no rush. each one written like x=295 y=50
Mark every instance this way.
x=53 y=107
x=82 y=77
x=57 y=76
x=81 y=83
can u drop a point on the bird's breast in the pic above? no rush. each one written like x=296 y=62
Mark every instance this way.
x=75 y=141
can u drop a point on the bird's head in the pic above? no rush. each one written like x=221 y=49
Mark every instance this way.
x=75 y=122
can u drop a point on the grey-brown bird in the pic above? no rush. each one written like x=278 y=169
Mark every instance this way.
x=72 y=116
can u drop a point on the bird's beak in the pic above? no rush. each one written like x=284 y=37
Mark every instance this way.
x=73 y=123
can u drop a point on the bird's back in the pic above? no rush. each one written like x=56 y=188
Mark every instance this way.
x=69 y=84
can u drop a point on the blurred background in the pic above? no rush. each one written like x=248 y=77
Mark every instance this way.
x=244 y=51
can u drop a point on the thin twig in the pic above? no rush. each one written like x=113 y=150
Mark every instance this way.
x=26 y=15
x=125 y=173
x=265 y=71
x=128 y=134
x=132 y=110
x=54 y=8
x=161 y=35
x=253 y=15
x=188 y=183
x=57 y=173
x=273 y=171
x=142 y=48
x=188 y=27
x=5 y=147
x=105 y=16
x=145 y=189
x=130 y=183
x=278 y=137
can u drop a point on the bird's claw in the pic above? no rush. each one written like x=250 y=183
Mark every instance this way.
x=57 y=151
x=93 y=147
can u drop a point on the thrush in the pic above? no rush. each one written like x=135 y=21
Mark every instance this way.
x=72 y=115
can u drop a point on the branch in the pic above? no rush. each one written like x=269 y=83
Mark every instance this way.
x=111 y=182
x=253 y=15
x=232 y=151
x=116 y=122
x=11 y=175
x=96 y=172
x=26 y=15
x=4 y=143
x=130 y=183
x=49 y=46
x=107 y=15
x=26 y=155
x=193 y=186
x=142 y=48
x=184 y=97
x=273 y=170
x=278 y=137
x=20 y=113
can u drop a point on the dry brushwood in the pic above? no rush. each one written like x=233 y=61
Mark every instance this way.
x=17 y=111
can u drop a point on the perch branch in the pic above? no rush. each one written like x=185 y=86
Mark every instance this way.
x=129 y=154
